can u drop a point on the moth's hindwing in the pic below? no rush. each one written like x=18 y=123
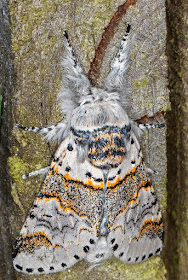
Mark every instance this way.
x=92 y=209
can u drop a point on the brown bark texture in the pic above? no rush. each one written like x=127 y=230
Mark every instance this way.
x=95 y=29
x=176 y=238
x=7 y=83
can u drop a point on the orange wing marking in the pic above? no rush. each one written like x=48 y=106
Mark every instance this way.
x=151 y=227
x=30 y=242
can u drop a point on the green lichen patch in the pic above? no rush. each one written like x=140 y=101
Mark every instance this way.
x=23 y=190
x=17 y=167
x=152 y=269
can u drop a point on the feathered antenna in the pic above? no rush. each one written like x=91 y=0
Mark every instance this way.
x=75 y=83
x=116 y=78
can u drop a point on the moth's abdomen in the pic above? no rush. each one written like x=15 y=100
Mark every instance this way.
x=107 y=147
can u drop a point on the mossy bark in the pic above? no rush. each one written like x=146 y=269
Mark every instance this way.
x=7 y=84
x=176 y=241
x=37 y=28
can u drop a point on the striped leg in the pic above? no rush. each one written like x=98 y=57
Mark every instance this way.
x=52 y=133
x=147 y=126
x=42 y=171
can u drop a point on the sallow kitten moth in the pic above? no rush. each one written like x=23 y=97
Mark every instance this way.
x=97 y=200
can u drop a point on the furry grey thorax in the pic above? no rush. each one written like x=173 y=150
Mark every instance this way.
x=98 y=110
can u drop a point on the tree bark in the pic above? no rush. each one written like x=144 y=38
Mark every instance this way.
x=7 y=84
x=37 y=28
x=176 y=241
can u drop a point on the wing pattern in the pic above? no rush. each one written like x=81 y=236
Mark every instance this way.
x=97 y=199
x=88 y=212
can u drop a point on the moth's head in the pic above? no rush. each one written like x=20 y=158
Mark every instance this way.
x=99 y=108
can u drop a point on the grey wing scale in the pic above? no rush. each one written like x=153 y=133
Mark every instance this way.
x=136 y=228
x=57 y=232
x=143 y=233
x=62 y=225
x=49 y=239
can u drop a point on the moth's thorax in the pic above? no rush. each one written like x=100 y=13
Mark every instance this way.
x=101 y=125
x=107 y=146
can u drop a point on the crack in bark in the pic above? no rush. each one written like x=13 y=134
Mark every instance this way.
x=107 y=36
x=158 y=117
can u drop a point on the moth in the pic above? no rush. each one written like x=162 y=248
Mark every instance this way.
x=97 y=200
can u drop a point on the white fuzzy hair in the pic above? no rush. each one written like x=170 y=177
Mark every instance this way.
x=84 y=106
x=76 y=96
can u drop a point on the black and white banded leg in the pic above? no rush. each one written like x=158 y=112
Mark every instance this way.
x=151 y=171
x=147 y=126
x=51 y=133
x=42 y=171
